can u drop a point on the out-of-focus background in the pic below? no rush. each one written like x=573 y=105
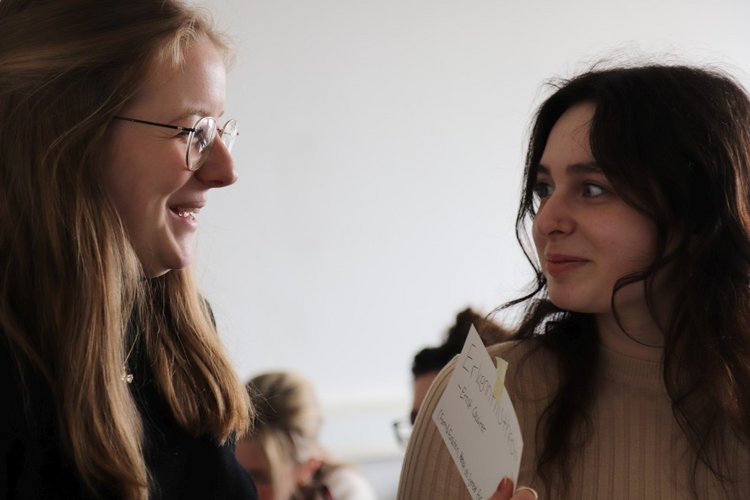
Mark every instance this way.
x=380 y=154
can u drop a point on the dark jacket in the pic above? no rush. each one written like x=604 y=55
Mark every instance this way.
x=34 y=466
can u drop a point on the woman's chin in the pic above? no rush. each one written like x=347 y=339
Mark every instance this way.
x=155 y=267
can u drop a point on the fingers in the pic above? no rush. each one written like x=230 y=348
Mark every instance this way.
x=525 y=493
x=505 y=492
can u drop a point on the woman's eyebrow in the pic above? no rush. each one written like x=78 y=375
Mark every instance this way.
x=584 y=168
x=195 y=112
x=575 y=168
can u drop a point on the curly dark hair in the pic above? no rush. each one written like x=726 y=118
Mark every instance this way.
x=674 y=141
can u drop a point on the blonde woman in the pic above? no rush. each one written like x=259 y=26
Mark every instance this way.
x=115 y=382
x=284 y=455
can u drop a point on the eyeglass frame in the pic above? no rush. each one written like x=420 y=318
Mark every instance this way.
x=191 y=130
x=402 y=428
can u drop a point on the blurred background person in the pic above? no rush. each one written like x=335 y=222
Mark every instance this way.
x=284 y=455
x=430 y=360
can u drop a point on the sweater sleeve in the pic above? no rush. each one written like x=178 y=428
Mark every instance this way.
x=428 y=471
x=32 y=464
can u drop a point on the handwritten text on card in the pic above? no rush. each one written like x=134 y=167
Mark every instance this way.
x=479 y=428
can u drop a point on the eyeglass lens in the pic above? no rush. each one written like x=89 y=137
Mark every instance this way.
x=203 y=138
x=402 y=429
x=229 y=134
x=200 y=142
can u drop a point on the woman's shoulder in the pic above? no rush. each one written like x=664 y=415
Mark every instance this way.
x=524 y=357
x=510 y=348
x=514 y=351
x=34 y=466
x=532 y=368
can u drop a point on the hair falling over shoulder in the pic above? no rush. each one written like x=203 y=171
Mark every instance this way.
x=675 y=143
x=70 y=283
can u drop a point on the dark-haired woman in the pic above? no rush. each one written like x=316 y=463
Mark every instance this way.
x=630 y=373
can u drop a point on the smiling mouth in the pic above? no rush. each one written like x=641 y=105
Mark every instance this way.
x=186 y=213
x=562 y=265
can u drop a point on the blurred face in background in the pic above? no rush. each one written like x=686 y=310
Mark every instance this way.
x=421 y=385
x=281 y=478
x=252 y=457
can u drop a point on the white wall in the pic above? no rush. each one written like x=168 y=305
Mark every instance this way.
x=379 y=159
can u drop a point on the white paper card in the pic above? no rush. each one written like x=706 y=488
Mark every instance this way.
x=482 y=433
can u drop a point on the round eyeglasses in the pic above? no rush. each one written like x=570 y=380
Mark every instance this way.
x=200 y=137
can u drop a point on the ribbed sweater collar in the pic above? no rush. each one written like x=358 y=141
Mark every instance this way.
x=637 y=373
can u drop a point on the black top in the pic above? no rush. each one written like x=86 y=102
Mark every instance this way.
x=35 y=467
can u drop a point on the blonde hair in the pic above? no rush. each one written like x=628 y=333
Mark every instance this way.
x=70 y=282
x=288 y=420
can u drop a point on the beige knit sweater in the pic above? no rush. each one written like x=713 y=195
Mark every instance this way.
x=636 y=449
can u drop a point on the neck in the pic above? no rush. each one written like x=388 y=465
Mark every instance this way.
x=641 y=338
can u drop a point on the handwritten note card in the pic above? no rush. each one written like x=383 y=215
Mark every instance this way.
x=478 y=422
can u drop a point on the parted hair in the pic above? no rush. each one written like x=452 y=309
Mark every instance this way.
x=287 y=422
x=674 y=141
x=70 y=282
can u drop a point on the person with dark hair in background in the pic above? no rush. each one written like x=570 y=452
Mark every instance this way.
x=630 y=372
x=115 y=383
x=429 y=361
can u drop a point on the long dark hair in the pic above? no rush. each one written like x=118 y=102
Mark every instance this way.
x=674 y=141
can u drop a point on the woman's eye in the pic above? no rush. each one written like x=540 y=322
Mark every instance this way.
x=542 y=190
x=593 y=190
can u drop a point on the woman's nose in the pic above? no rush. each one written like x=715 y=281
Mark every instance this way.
x=554 y=216
x=218 y=169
